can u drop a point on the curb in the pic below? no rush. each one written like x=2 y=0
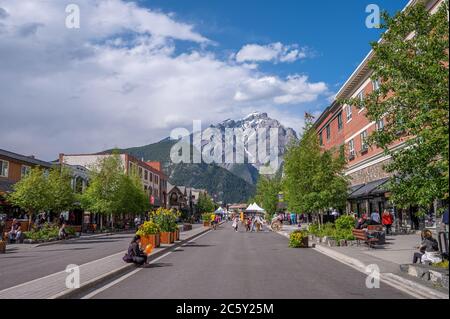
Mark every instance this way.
x=81 y=237
x=410 y=287
x=120 y=271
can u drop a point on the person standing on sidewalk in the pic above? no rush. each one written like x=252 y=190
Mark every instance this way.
x=387 y=221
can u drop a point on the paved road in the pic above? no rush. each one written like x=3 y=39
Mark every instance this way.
x=25 y=264
x=223 y=264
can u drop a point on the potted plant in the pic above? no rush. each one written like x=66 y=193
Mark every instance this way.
x=206 y=218
x=166 y=219
x=150 y=234
x=298 y=239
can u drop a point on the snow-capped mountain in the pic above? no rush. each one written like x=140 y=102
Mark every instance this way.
x=250 y=124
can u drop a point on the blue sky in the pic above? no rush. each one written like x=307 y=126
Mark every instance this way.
x=333 y=30
x=135 y=70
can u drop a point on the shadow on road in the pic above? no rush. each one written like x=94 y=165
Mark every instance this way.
x=157 y=265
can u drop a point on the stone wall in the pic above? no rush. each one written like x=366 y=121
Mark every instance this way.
x=369 y=174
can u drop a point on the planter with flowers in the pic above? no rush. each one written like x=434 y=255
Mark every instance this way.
x=298 y=239
x=150 y=234
x=206 y=218
x=166 y=220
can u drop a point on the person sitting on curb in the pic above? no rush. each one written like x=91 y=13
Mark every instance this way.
x=428 y=246
x=135 y=254
x=16 y=231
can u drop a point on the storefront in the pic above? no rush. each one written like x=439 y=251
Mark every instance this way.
x=369 y=198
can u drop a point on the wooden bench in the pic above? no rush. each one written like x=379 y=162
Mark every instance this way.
x=23 y=228
x=361 y=235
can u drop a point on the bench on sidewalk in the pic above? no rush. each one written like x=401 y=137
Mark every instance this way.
x=362 y=235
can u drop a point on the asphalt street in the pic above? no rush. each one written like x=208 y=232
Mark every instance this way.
x=28 y=263
x=224 y=264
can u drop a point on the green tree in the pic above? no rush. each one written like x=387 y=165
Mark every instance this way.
x=267 y=190
x=131 y=195
x=205 y=204
x=313 y=179
x=103 y=196
x=411 y=62
x=61 y=194
x=31 y=193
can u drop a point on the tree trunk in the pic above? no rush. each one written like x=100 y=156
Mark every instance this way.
x=112 y=221
x=101 y=221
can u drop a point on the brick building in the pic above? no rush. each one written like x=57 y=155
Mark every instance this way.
x=347 y=126
x=153 y=179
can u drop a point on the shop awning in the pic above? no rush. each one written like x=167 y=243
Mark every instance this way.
x=372 y=188
x=353 y=189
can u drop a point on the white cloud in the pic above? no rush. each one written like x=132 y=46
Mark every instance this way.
x=274 y=52
x=118 y=81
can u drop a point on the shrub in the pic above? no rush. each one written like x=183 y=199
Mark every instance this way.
x=45 y=233
x=442 y=264
x=345 y=222
x=148 y=228
x=296 y=238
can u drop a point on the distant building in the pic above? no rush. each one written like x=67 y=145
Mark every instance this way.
x=13 y=167
x=184 y=199
x=154 y=181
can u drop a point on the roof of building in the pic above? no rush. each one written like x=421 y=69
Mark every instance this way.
x=26 y=159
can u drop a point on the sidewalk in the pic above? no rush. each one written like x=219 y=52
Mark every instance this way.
x=398 y=250
x=91 y=273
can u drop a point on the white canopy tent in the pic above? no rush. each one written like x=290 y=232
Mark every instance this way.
x=254 y=208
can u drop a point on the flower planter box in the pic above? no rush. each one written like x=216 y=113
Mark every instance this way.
x=177 y=234
x=305 y=243
x=167 y=238
x=206 y=224
x=2 y=247
x=154 y=240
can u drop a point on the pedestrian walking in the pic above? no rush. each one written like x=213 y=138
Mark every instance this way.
x=387 y=221
x=235 y=223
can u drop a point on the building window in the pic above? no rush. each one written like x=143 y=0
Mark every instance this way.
x=348 y=111
x=364 y=145
x=25 y=170
x=328 y=132
x=151 y=177
x=146 y=175
x=340 y=123
x=380 y=125
x=320 y=139
x=4 y=168
x=140 y=172
x=351 y=149
x=361 y=99
x=376 y=85
x=156 y=179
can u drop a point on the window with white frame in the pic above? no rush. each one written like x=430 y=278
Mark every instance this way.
x=376 y=84
x=364 y=145
x=361 y=100
x=4 y=168
x=348 y=112
x=25 y=170
x=380 y=125
x=146 y=175
x=340 y=123
x=351 y=148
